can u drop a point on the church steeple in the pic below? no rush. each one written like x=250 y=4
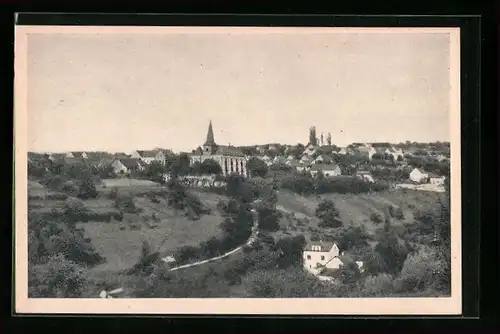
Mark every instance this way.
x=210 y=136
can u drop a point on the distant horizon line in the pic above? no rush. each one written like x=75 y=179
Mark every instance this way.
x=251 y=145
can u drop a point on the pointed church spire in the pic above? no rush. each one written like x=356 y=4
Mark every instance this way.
x=210 y=136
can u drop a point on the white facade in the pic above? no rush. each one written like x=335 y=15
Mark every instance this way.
x=317 y=255
x=229 y=164
x=437 y=180
x=118 y=167
x=418 y=176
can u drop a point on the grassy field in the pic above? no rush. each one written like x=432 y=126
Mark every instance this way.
x=120 y=242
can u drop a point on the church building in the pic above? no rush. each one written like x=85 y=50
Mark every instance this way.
x=231 y=159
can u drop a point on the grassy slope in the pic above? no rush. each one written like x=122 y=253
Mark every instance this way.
x=354 y=209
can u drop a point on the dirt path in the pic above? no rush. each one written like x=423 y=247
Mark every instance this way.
x=251 y=239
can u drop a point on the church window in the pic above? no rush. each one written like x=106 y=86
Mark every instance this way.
x=322 y=257
x=308 y=257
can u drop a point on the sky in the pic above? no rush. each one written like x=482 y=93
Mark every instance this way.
x=128 y=91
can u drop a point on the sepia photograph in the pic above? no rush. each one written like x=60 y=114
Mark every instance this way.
x=237 y=170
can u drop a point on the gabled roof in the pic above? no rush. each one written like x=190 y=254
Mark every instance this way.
x=317 y=167
x=77 y=154
x=148 y=153
x=131 y=162
x=325 y=246
x=121 y=155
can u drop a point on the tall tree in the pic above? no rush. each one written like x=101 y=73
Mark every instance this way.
x=329 y=139
x=313 y=140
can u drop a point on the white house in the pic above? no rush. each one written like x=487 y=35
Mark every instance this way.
x=326 y=169
x=418 y=176
x=436 y=179
x=319 y=159
x=126 y=165
x=342 y=151
x=395 y=152
x=367 y=150
x=267 y=160
x=310 y=150
x=306 y=159
x=365 y=176
x=319 y=255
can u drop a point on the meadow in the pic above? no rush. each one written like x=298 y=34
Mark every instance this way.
x=155 y=222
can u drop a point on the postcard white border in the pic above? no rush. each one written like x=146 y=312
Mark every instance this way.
x=250 y=306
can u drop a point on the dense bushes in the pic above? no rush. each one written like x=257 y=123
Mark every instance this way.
x=57 y=278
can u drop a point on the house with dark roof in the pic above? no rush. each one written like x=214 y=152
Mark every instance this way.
x=231 y=159
x=123 y=166
x=79 y=154
x=328 y=170
x=148 y=156
x=368 y=151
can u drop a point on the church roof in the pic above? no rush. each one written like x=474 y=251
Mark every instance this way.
x=229 y=150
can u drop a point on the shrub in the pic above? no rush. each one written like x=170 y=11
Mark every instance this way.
x=381 y=285
x=328 y=214
x=399 y=214
x=113 y=194
x=376 y=218
x=58 y=278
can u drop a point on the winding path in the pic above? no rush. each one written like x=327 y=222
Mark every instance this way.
x=251 y=239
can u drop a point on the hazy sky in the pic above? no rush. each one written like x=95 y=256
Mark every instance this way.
x=120 y=92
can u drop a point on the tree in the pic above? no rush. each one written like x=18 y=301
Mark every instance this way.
x=328 y=213
x=146 y=259
x=256 y=167
x=329 y=139
x=57 y=278
x=210 y=166
x=349 y=273
x=87 y=188
x=420 y=270
x=290 y=250
x=313 y=140
x=154 y=171
x=269 y=219
x=381 y=285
